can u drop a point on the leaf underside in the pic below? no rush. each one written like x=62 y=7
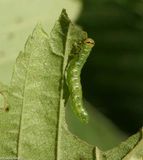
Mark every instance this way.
x=34 y=128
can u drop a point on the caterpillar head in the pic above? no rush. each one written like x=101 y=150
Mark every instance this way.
x=90 y=42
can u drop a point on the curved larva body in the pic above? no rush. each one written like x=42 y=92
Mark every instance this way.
x=73 y=79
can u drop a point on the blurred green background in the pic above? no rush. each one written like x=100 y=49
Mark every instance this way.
x=112 y=77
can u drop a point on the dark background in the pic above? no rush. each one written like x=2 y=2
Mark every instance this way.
x=113 y=75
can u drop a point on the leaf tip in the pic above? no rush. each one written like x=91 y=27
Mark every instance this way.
x=64 y=15
x=39 y=30
x=64 y=12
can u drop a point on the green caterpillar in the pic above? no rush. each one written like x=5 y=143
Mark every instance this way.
x=73 y=79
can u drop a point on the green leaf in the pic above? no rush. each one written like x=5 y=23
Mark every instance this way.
x=35 y=127
x=131 y=149
x=137 y=152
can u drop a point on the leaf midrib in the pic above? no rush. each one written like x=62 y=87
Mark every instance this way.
x=61 y=97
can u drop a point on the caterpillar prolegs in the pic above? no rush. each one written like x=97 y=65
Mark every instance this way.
x=73 y=79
